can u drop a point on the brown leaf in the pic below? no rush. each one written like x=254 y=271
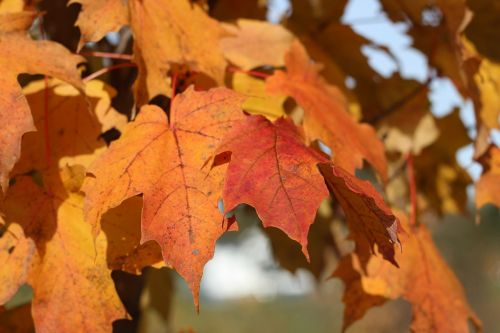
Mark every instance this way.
x=20 y=54
x=164 y=162
x=369 y=218
x=17 y=320
x=435 y=28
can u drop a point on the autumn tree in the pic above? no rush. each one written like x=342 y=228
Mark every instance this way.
x=203 y=106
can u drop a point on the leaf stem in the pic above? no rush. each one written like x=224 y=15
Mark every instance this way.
x=174 y=88
x=410 y=168
x=234 y=69
x=107 y=69
x=46 y=107
x=46 y=133
x=108 y=55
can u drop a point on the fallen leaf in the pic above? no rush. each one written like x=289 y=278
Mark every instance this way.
x=164 y=161
x=20 y=54
x=326 y=117
x=272 y=170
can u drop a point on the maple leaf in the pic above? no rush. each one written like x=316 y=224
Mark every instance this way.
x=16 y=253
x=164 y=162
x=441 y=181
x=326 y=116
x=52 y=217
x=20 y=54
x=161 y=38
x=272 y=170
x=97 y=18
x=435 y=29
x=368 y=216
x=412 y=128
x=258 y=100
x=74 y=136
x=488 y=186
x=70 y=265
x=424 y=279
x=244 y=48
x=122 y=226
x=11 y=6
x=485 y=15
x=229 y=10
x=485 y=91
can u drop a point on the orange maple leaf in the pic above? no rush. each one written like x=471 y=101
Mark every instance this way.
x=164 y=162
x=424 y=279
x=20 y=54
x=325 y=113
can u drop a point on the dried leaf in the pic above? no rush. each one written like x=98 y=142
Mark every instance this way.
x=369 y=218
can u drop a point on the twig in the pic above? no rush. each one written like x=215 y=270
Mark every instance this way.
x=108 y=55
x=413 y=188
x=107 y=69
